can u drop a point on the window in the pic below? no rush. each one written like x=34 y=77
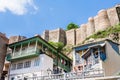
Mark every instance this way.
x=25 y=78
x=13 y=67
x=19 y=65
x=12 y=78
x=37 y=62
x=23 y=48
x=27 y=64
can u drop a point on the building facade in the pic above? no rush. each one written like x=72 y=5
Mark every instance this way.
x=12 y=39
x=34 y=57
x=3 y=50
x=102 y=55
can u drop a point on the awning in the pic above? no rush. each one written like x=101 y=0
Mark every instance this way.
x=96 y=45
x=88 y=53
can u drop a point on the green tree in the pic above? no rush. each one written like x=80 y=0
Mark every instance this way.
x=72 y=26
x=58 y=45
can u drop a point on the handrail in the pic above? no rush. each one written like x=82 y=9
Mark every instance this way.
x=71 y=75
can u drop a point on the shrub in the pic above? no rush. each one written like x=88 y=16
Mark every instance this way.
x=58 y=45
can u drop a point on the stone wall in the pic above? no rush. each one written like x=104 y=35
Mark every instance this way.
x=13 y=39
x=104 y=19
x=54 y=35
x=45 y=35
x=101 y=21
x=90 y=27
x=3 y=50
x=62 y=36
x=57 y=35
x=78 y=36
x=83 y=32
x=71 y=37
x=113 y=15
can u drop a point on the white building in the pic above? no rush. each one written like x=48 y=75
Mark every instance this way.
x=31 y=67
x=35 y=57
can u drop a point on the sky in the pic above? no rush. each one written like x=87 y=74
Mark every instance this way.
x=30 y=17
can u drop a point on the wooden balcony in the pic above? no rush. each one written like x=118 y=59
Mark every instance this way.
x=23 y=54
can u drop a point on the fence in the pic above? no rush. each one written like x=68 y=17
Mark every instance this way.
x=70 y=76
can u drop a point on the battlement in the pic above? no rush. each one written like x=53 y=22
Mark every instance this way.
x=104 y=19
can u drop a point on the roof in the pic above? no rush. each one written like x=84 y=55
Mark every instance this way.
x=19 y=42
x=97 y=43
x=30 y=39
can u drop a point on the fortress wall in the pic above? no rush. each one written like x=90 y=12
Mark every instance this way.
x=54 y=35
x=78 y=36
x=22 y=38
x=90 y=27
x=62 y=36
x=101 y=21
x=45 y=35
x=113 y=14
x=13 y=39
x=83 y=32
x=96 y=21
x=70 y=37
x=118 y=12
x=57 y=35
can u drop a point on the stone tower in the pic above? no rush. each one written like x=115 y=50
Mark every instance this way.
x=83 y=32
x=57 y=35
x=101 y=21
x=114 y=15
x=78 y=36
x=90 y=27
x=3 y=50
x=45 y=35
x=71 y=37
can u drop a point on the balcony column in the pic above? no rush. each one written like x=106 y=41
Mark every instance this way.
x=28 y=47
x=83 y=61
x=43 y=48
x=74 y=59
x=82 y=52
x=14 y=50
x=21 y=49
x=99 y=53
x=92 y=55
x=36 y=45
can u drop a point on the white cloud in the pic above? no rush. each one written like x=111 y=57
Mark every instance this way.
x=19 y=7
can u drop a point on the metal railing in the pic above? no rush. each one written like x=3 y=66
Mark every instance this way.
x=70 y=76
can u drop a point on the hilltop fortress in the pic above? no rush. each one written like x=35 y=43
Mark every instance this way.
x=104 y=19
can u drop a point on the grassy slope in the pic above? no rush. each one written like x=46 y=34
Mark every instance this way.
x=105 y=33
